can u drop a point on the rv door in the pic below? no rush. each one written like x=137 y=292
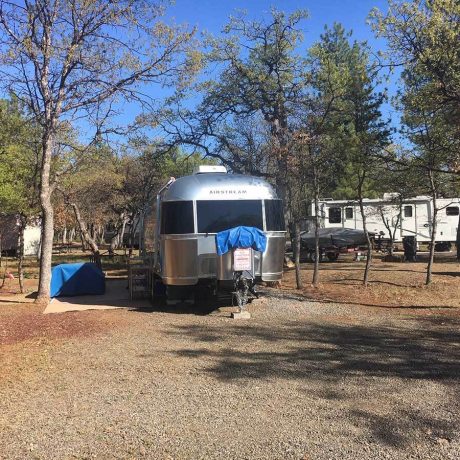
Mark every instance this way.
x=408 y=219
x=423 y=211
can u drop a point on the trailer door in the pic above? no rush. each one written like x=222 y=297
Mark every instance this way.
x=450 y=221
x=408 y=219
x=423 y=213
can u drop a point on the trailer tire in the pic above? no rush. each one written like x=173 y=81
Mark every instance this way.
x=312 y=256
x=443 y=246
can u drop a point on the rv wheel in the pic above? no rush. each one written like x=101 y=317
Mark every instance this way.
x=313 y=257
x=443 y=246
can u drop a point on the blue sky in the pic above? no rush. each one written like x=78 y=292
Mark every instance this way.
x=212 y=15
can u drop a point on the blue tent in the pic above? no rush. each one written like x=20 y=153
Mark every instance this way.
x=240 y=237
x=77 y=279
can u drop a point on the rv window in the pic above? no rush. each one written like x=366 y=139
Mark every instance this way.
x=335 y=215
x=176 y=217
x=348 y=213
x=452 y=210
x=217 y=215
x=274 y=216
x=407 y=211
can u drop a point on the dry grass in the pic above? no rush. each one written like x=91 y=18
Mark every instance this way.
x=391 y=284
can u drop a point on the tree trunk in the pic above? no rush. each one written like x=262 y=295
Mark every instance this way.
x=141 y=233
x=4 y=273
x=457 y=242
x=132 y=235
x=317 y=248
x=22 y=226
x=112 y=245
x=393 y=234
x=64 y=235
x=43 y=295
x=434 y=227
x=86 y=235
x=83 y=242
x=71 y=235
x=368 y=239
x=298 y=274
x=122 y=233
x=102 y=234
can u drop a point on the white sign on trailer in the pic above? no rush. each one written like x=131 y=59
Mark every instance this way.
x=242 y=259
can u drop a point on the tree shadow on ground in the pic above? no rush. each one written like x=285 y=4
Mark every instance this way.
x=325 y=356
x=447 y=273
x=359 y=282
x=334 y=350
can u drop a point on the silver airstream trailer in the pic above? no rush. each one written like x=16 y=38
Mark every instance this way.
x=192 y=210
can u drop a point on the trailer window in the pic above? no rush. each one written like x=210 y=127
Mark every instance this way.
x=349 y=213
x=335 y=215
x=274 y=216
x=407 y=211
x=176 y=217
x=452 y=210
x=217 y=215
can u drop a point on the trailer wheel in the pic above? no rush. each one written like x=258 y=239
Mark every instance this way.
x=443 y=246
x=312 y=256
x=332 y=256
x=205 y=297
x=158 y=290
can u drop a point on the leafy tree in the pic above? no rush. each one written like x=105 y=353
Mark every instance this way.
x=19 y=166
x=346 y=183
x=401 y=180
x=90 y=192
x=315 y=161
x=423 y=38
x=73 y=59
x=355 y=129
x=245 y=112
x=428 y=135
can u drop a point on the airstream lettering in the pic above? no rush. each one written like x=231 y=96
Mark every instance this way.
x=193 y=209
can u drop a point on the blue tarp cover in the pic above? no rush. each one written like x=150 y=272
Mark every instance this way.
x=240 y=237
x=77 y=279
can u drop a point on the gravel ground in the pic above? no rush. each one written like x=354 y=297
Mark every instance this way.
x=300 y=380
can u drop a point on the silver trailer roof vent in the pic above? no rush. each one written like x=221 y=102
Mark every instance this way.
x=204 y=169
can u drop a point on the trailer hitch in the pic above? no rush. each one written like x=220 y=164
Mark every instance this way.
x=242 y=287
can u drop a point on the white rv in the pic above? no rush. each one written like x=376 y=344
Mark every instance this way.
x=411 y=218
x=9 y=236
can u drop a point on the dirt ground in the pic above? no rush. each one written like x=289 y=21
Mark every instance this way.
x=310 y=376
x=395 y=284
x=392 y=284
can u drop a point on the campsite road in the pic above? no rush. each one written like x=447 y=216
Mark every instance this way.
x=300 y=380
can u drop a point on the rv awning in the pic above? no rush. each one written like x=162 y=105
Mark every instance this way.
x=77 y=279
x=240 y=237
